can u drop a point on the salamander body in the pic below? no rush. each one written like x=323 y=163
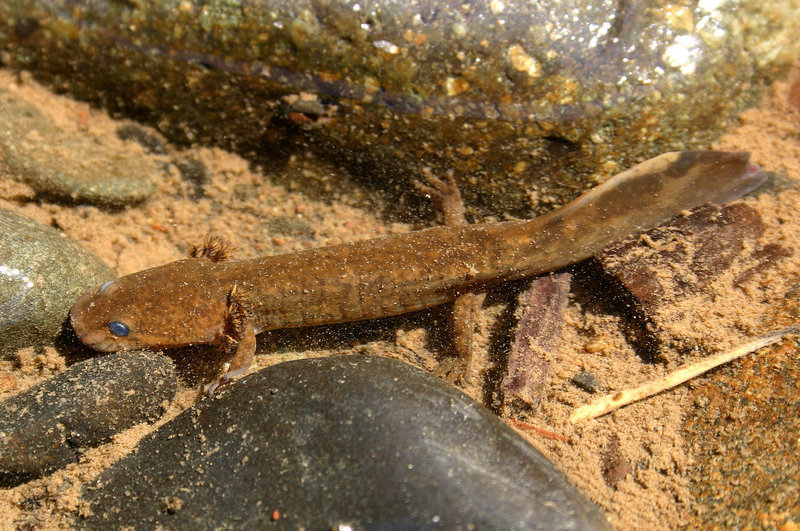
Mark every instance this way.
x=209 y=299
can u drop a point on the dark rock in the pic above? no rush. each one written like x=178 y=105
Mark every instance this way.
x=361 y=441
x=147 y=139
x=290 y=226
x=195 y=173
x=47 y=426
x=65 y=166
x=586 y=381
x=41 y=274
x=515 y=96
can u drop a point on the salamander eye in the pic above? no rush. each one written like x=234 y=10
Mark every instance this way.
x=119 y=329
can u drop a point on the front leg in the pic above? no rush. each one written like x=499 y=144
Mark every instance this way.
x=237 y=340
x=446 y=196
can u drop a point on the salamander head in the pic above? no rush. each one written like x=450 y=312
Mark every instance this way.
x=164 y=307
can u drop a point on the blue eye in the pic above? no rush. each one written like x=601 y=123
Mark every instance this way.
x=118 y=329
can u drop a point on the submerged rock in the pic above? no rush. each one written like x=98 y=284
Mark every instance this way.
x=360 y=441
x=41 y=274
x=64 y=166
x=48 y=426
x=528 y=101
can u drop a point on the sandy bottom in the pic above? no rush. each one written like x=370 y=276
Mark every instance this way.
x=259 y=216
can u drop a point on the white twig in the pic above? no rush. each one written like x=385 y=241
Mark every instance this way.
x=616 y=400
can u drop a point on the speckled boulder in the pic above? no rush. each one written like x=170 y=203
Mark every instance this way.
x=528 y=101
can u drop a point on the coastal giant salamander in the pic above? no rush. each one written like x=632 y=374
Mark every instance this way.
x=210 y=299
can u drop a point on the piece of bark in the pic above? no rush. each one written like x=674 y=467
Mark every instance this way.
x=541 y=318
x=615 y=466
x=706 y=242
x=794 y=95
x=674 y=262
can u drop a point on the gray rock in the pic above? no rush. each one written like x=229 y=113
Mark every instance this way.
x=67 y=167
x=361 y=441
x=47 y=426
x=526 y=100
x=586 y=381
x=42 y=273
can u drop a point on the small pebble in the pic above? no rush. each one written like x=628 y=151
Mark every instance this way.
x=47 y=426
x=195 y=173
x=145 y=138
x=595 y=345
x=586 y=381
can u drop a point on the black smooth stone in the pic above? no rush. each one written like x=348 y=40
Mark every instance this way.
x=47 y=426
x=360 y=441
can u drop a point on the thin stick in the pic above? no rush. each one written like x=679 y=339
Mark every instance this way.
x=609 y=403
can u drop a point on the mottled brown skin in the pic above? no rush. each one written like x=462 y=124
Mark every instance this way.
x=213 y=300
